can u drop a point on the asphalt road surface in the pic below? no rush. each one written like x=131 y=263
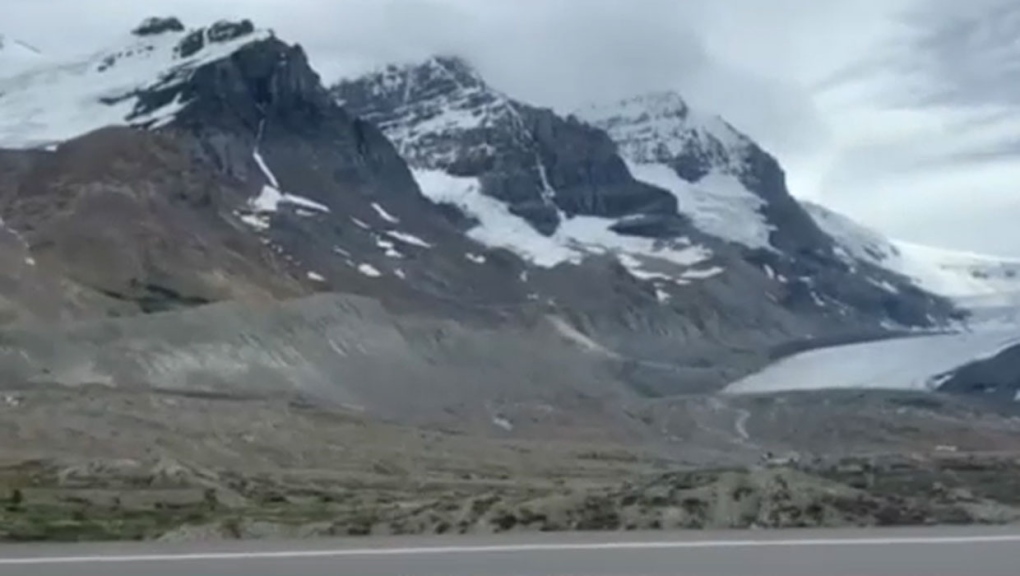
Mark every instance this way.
x=927 y=552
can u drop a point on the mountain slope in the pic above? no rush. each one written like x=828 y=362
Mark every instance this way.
x=714 y=168
x=986 y=285
x=17 y=56
x=732 y=189
x=175 y=242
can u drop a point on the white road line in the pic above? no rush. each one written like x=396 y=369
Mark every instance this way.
x=564 y=547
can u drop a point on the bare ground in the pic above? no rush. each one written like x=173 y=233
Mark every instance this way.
x=101 y=464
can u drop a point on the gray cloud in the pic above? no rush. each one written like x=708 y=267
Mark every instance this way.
x=927 y=148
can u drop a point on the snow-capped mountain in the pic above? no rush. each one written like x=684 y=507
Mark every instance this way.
x=666 y=180
x=717 y=174
x=731 y=188
x=49 y=103
x=541 y=185
x=724 y=181
x=17 y=56
x=550 y=190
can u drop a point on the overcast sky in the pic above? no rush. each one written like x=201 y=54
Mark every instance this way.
x=904 y=114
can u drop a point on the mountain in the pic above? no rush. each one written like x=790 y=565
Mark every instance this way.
x=729 y=186
x=444 y=117
x=415 y=215
x=733 y=189
x=724 y=188
x=172 y=204
x=979 y=282
x=248 y=106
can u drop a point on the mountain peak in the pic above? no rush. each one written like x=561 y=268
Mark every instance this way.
x=425 y=107
x=49 y=102
x=156 y=25
x=660 y=126
x=663 y=103
x=438 y=76
x=457 y=69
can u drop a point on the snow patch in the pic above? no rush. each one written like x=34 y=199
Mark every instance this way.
x=255 y=221
x=389 y=247
x=661 y=295
x=476 y=258
x=369 y=270
x=695 y=274
x=316 y=277
x=884 y=285
x=384 y=214
x=817 y=299
x=719 y=204
x=503 y=423
x=270 y=198
x=409 y=239
x=262 y=163
x=576 y=238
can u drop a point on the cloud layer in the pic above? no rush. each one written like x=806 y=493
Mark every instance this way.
x=926 y=128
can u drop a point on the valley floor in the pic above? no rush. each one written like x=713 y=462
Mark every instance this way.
x=98 y=464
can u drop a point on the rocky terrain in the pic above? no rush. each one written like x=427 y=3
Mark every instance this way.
x=235 y=302
x=171 y=467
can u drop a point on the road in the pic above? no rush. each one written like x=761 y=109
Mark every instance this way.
x=913 y=552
